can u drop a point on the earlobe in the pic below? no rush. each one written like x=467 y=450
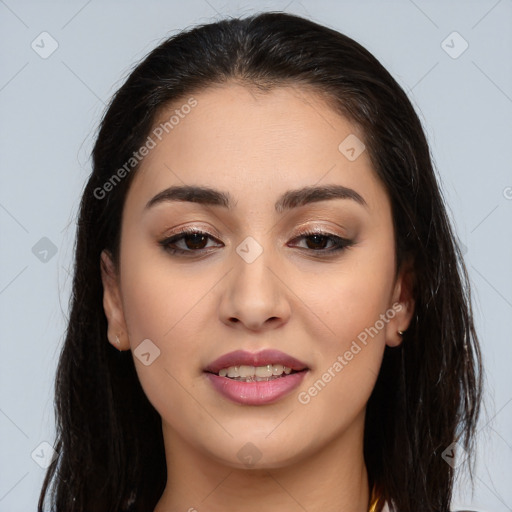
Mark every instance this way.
x=112 y=304
x=403 y=305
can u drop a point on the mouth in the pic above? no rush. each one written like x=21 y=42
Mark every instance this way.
x=246 y=373
x=255 y=378
x=266 y=363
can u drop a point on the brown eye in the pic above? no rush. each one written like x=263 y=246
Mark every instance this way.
x=317 y=241
x=195 y=241
x=323 y=243
x=187 y=242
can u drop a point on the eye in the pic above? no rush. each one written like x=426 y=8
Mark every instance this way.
x=317 y=241
x=187 y=241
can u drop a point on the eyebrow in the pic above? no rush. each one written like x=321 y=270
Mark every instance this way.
x=290 y=199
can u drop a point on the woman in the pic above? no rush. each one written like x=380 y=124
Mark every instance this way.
x=264 y=242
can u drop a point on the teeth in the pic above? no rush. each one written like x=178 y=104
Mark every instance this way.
x=259 y=372
x=277 y=369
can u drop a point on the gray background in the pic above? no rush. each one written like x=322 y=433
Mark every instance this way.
x=50 y=108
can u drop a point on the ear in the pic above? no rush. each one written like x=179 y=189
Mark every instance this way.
x=402 y=303
x=112 y=303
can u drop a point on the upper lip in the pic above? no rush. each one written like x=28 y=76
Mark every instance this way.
x=262 y=358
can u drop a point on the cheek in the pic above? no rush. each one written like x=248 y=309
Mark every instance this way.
x=350 y=297
x=159 y=296
x=161 y=303
x=349 y=354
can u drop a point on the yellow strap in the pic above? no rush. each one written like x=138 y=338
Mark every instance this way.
x=374 y=500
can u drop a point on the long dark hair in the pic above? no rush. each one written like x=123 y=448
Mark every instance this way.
x=427 y=396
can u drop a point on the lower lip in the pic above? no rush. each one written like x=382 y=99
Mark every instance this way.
x=256 y=393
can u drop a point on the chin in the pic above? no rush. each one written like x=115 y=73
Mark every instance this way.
x=257 y=453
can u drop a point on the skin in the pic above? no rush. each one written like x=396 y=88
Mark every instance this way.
x=196 y=308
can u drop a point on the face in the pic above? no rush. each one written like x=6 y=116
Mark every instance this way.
x=270 y=264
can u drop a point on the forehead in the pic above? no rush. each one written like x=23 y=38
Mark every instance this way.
x=231 y=120
x=252 y=143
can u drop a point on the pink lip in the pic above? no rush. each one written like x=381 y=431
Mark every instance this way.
x=242 y=357
x=255 y=393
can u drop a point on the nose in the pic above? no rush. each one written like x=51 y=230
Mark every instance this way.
x=254 y=297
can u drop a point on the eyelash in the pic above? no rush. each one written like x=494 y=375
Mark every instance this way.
x=340 y=243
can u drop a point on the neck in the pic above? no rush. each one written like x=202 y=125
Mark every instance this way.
x=331 y=479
